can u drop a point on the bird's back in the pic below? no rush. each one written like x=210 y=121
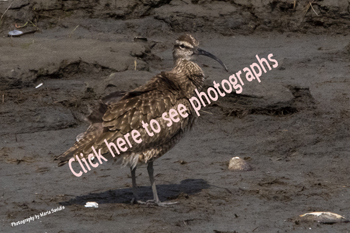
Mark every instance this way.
x=115 y=118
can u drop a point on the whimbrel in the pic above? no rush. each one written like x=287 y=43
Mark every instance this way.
x=162 y=93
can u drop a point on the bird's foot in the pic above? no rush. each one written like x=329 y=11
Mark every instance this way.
x=153 y=203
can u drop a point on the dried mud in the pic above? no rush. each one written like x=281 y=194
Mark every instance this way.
x=293 y=128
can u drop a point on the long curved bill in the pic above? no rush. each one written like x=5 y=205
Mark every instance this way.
x=205 y=53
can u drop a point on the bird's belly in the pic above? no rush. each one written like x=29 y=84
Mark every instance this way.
x=151 y=154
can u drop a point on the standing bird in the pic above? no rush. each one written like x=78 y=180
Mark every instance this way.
x=167 y=90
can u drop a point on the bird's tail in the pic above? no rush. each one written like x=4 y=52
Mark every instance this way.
x=64 y=158
x=83 y=144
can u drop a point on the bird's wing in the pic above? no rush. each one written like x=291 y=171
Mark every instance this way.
x=145 y=103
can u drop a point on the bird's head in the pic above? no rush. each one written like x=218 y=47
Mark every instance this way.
x=186 y=47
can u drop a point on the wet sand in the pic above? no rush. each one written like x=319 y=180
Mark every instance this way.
x=292 y=128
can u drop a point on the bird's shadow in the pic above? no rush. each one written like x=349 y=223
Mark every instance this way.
x=165 y=192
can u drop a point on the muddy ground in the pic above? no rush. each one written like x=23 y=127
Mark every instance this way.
x=293 y=127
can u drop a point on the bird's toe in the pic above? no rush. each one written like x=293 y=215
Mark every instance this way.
x=153 y=203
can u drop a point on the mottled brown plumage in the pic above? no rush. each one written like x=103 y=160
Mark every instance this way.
x=116 y=117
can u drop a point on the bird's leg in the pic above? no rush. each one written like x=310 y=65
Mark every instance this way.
x=154 y=188
x=155 y=200
x=134 y=186
x=136 y=198
x=153 y=184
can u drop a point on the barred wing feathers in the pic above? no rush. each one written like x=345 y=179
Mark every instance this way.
x=159 y=95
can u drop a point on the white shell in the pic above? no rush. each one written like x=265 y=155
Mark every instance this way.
x=15 y=33
x=238 y=164
x=39 y=85
x=322 y=217
x=91 y=204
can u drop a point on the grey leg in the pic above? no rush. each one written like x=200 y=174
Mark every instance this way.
x=134 y=186
x=155 y=200
x=154 y=188
x=153 y=184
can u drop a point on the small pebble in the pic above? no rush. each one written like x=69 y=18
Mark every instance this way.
x=182 y=162
x=238 y=164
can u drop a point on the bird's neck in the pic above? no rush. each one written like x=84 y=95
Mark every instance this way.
x=190 y=70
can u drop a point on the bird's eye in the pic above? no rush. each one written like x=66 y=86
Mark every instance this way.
x=182 y=46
